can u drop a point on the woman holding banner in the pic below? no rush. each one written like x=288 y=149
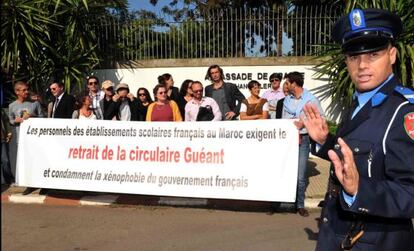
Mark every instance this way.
x=163 y=109
x=254 y=107
x=85 y=111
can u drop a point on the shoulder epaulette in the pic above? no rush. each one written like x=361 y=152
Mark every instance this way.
x=406 y=92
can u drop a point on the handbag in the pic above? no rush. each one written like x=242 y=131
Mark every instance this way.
x=205 y=113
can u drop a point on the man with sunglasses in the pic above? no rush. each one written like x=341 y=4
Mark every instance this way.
x=125 y=106
x=274 y=94
x=192 y=108
x=64 y=104
x=106 y=102
x=96 y=95
x=370 y=200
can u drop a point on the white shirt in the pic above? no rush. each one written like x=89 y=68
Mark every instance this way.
x=192 y=107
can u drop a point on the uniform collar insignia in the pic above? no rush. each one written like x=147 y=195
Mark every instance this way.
x=378 y=99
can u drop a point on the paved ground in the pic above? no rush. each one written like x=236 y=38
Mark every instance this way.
x=318 y=171
x=53 y=227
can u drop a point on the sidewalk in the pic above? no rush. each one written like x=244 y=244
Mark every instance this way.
x=318 y=171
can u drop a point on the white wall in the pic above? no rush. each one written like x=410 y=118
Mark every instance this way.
x=240 y=75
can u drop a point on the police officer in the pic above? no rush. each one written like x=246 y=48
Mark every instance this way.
x=370 y=199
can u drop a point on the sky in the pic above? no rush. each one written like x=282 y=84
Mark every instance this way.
x=145 y=4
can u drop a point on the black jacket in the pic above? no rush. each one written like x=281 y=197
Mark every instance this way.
x=65 y=107
x=113 y=110
x=233 y=96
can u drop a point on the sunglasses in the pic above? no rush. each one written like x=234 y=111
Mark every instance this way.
x=161 y=93
x=93 y=83
x=197 y=91
x=53 y=89
x=142 y=94
x=275 y=79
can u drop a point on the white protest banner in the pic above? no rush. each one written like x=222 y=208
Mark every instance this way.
x=249 y=160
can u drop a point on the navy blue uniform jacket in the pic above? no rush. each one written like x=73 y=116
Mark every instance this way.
x=384 y=155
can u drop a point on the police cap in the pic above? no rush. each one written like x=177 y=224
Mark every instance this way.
x=366 y=30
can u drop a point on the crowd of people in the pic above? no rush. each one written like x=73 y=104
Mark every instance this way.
x=369 y=202
x=191 y=102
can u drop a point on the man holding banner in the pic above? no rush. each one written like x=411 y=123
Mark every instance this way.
x=370 y=199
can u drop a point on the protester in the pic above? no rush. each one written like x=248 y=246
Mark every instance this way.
x=22 y=108
x=35 y=97
x=279 y=104
x=254 y=107
x=201 y=108
x=172 y=92
x=292 y=109
x=227 y=95
x=185 y=95
x=105 y=103
x=125 y=106
x=19 y=111
x=96 y=95
x=144 y=100
x=7 y=176
x=63 y=104
x=370 y=199
x=274 y=94
x=85 y=111
x=163 y=109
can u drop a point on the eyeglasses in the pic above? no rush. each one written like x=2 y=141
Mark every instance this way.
x=197 y=91
x=93 y=83
x=275 y=79
x=53 y=89
x=142 y=94
x=161 y=93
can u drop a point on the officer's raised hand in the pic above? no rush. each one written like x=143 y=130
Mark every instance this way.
x=345 y=168
x=315 y=124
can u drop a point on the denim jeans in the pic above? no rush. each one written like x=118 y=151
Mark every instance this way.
x=304 y=149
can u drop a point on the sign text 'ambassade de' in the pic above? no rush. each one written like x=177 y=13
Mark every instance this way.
x=250 y=160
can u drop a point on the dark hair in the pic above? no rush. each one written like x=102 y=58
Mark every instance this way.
x=276 y=75
x=163 y=78
x=60 y=84
x=208 y=75
x=156 y=88
x=80 y=99
x=184 y=87
x=296 y=77
x=92 y=77
x=252 y=83
x=149 y=99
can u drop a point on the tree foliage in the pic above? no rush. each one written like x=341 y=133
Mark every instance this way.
x=43 y=39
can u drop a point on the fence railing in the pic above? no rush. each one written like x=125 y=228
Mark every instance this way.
x=220 y=33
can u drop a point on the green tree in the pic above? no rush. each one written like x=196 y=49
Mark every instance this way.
x=340 y=87
x=44 y=39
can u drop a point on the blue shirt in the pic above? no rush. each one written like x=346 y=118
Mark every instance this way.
x=364 y=97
